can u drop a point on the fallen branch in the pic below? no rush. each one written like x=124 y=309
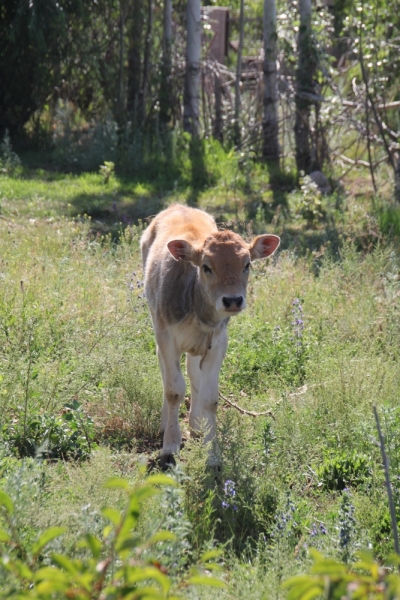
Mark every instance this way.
x=243 y=411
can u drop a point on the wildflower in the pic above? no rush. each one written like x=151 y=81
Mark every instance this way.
x=229 y=494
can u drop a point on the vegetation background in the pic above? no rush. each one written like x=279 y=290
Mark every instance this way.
x=99 y=133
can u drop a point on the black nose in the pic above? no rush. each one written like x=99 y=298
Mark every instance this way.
x=229 y=301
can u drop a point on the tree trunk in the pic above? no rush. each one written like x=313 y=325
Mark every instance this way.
x=134 y=61
x=304 y=88
x=146 y=63
x=270 y=122
x=239 y=75
x=218 y=121
x=192 y=73
x=166 y=67
x=120 y=100
x=397 y=180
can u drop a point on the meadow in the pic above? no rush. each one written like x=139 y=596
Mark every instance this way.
x=80 y=389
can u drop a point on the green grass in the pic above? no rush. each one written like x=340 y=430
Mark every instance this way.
x=74 y=328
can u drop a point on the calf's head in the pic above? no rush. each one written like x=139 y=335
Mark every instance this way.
x=224 y=263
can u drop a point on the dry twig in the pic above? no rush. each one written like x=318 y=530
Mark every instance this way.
x=243 y=411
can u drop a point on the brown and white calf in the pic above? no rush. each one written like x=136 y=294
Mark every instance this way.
x=195 y=280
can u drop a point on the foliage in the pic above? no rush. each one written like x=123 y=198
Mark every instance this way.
x=332 y=580
x=9 y=160
x=339 y=471
x=108 y=567
x=66 y=436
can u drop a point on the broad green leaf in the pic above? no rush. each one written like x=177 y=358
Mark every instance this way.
x=4 y=536
x=117 y=482
x=51 y=574
x=21 y=569
x=46 y=537
x=6 y=501
x=144 y=492
x=94 y=544
x=213 y=566
x=161 y=479
x=298 y=581
x=204 y=580
x=107 y=530
x=62 y=561
x=141 y=574
x=128 y=543
x=162 y=536
x=145 y=593
x=209 y=555
x=328 y=567
x=112 y=515
x=45 y=588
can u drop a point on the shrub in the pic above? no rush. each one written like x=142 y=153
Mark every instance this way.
x=116 y=565
x=69 y=435
x=344 y=469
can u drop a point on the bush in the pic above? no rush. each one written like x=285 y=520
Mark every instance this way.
x=116 y=565
x=344 y=469
x=66 y=436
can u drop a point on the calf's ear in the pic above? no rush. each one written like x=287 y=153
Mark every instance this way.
x=183 y=250
x=264 y=245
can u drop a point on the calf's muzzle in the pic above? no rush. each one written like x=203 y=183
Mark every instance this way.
x=232 y=303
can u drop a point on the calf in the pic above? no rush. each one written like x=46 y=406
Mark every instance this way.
x=195 y=280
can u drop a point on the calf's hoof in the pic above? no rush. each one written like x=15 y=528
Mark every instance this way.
x=166 y=461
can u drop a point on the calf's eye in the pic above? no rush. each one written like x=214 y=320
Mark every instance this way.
x=206 y=269
x=247 y=267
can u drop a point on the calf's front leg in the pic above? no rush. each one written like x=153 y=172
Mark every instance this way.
x=204 y=382
x=174 y=393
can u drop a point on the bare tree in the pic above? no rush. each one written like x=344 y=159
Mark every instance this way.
x=192 y=73
x=304 y=89
x=270 y=121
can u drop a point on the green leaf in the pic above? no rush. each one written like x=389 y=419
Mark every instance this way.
x=204 y=580
x=112 y=515
x=62 y=561
x=21 y=569
x=45 y=588
x=107 y=530
x=161 y=479
x=144 y=492
x=94 y=544
x=46 y=537
x=6 y=501
x=162 y=536
x=128 y=543
x=117 y=482
x=50 y=574
x=143 y=573
x=209 y=555
x=4 y=536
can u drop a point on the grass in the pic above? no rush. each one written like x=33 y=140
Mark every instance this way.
x=74 y=328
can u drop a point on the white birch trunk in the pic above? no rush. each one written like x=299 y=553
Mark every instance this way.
x=270 y=122
x=192 y=74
